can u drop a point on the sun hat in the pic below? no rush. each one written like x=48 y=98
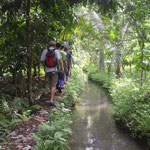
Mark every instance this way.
x=52 y=43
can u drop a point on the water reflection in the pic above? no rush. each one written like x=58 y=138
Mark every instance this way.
x=94 y=127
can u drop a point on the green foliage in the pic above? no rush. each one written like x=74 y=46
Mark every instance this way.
x=11 y=112
x=99 y=76
x=54 y=134
x=20 y=104
x=131 y=105
x=122 y=36
x=47 y=20
x=35 y=107
x=73 y=90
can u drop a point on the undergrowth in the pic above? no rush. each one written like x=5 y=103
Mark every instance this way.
x=131 y=106
x=98 y=75
x=13 y=110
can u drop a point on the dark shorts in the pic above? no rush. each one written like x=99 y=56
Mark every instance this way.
x=52 y=78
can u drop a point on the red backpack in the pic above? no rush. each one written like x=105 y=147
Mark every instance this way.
x=51 y=60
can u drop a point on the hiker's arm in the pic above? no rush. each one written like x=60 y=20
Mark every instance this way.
x=42 y=62
x=59 y=58
x=61 y=64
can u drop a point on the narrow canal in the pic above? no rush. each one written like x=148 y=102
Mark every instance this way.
x=94 y=127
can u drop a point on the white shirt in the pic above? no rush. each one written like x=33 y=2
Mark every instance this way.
x=43 y=57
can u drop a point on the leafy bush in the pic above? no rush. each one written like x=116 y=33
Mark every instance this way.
x=35 y=107
x=124 y=94
x=54 y=134
x=98 y=76
x=73 y=90
x=131 y=106
x=20 y=104
x=11 y=112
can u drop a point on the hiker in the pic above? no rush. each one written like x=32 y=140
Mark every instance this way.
x=61 y=74
x=49 y=59
x=68 y=57
x=65 y=63
x=72 y=63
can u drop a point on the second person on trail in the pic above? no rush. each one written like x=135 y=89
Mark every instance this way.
x=49 y=59
x=69 y=62
x=61 y=74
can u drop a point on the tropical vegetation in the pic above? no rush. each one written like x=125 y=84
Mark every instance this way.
x=109 y=38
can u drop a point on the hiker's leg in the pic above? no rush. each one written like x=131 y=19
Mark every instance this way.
x=67 y=75
x=52 y=91
x=61 y=79
x=53 y=82
x=70 y=71
x=64 y=78
x=58 y=82
x=57 y=85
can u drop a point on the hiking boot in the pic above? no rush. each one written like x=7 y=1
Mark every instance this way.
x=59 y=90
x=51 y=104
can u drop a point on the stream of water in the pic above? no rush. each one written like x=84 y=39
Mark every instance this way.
x=94 y=127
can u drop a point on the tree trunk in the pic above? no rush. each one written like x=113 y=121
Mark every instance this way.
x=123 y=67
x=142 y=68
x=15 y=81
x=29 y=54
x=90 y=57
x=109 y=67
x=33 y=60
x=145 y=75
x=90 y=51
x=101 y=63
x=142 y=64
x=21 y=82
x=39 y=69
x=35 y=71
x=118 y=66
x=130 y=68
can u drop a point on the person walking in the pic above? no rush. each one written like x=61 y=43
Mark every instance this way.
x=68 y=57
x=61 y=74
x=49 y=59
x=71 y=64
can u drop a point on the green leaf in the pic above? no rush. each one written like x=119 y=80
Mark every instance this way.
x=36 y=107
x=67 y=130
x=15 y=121
x=58 y=135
